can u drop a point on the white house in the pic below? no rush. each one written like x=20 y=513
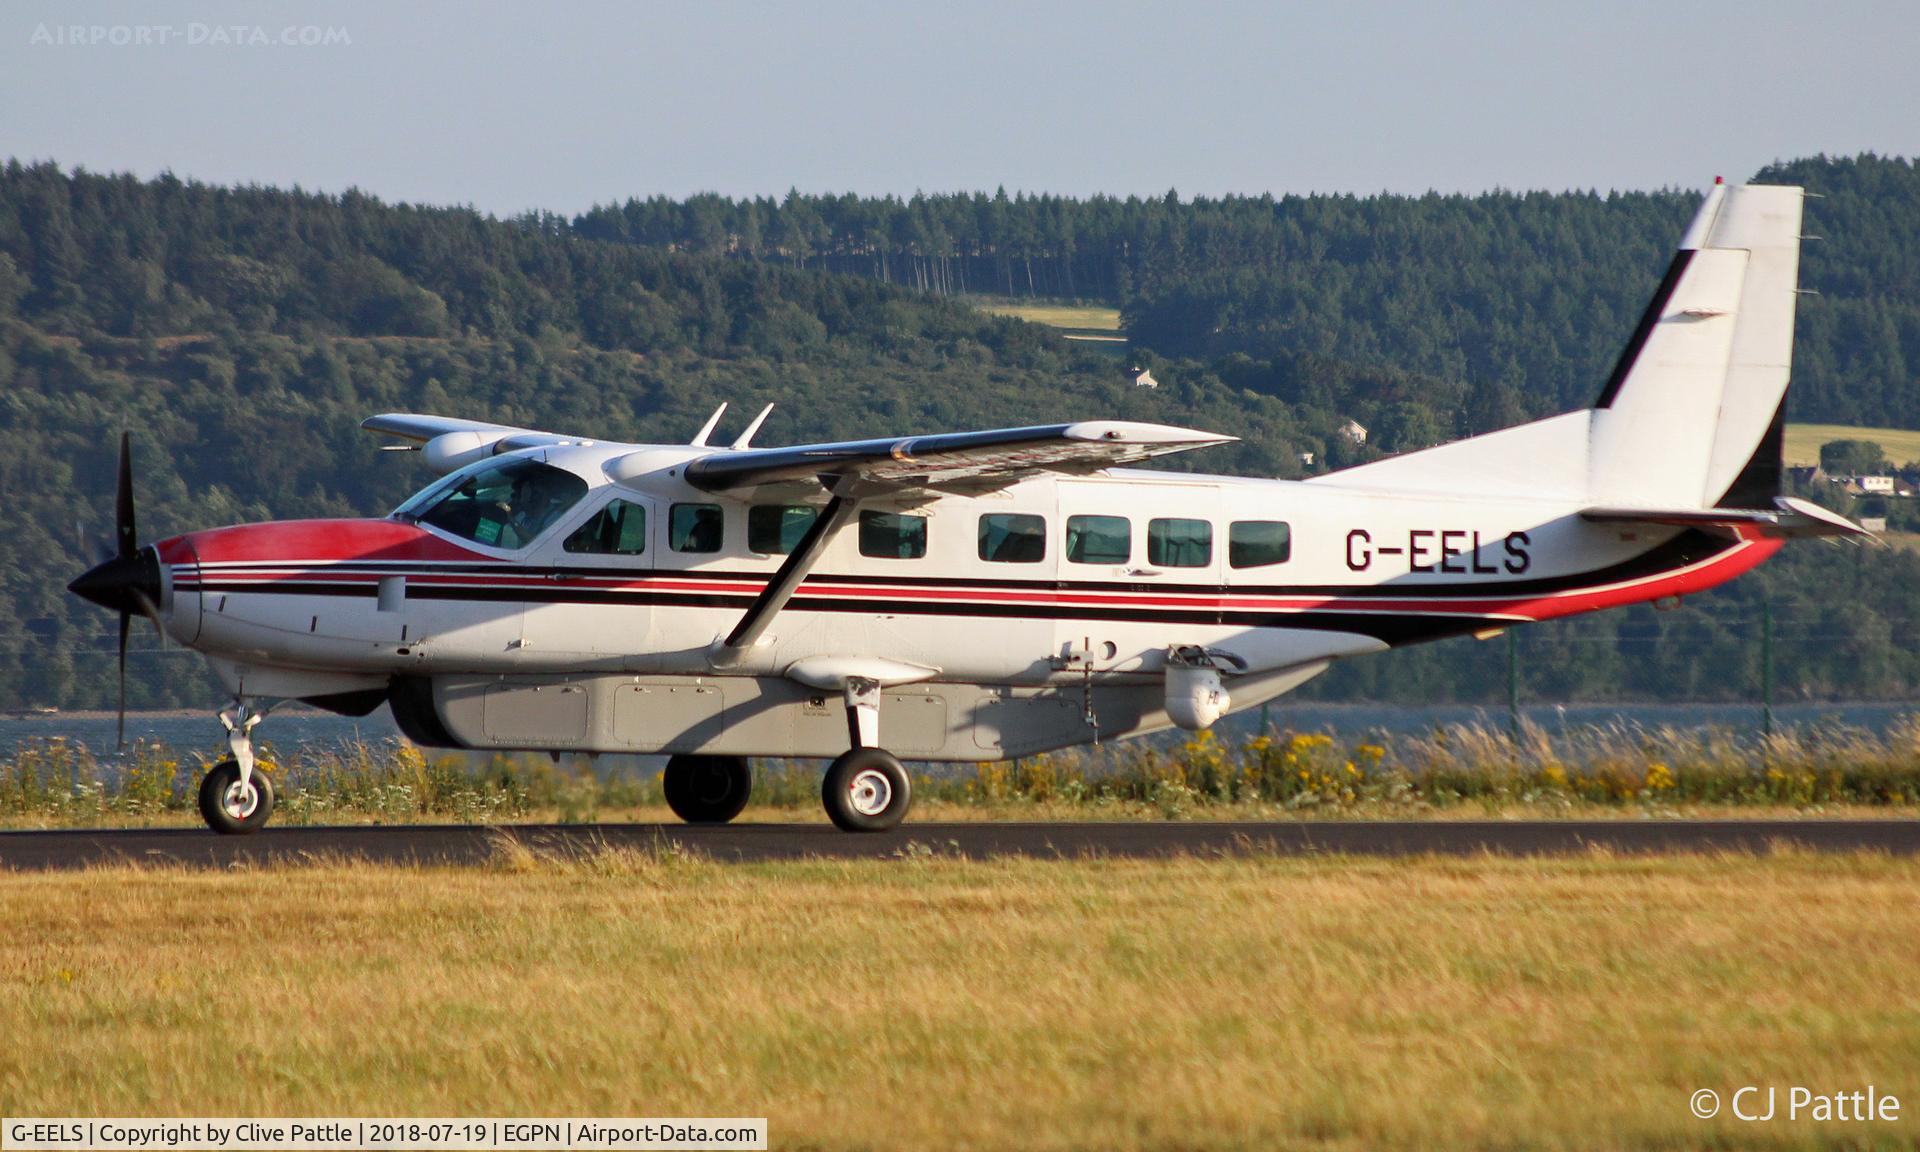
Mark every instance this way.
x=1870 y=485
x=1354 y=431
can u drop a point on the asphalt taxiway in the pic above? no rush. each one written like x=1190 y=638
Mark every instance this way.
x=471 y=844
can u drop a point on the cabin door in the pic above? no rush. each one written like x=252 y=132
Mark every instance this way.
x=595 y=583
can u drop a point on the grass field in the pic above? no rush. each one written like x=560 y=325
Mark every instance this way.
x=1054 y=313
x=1803 y=441
x=1249 y=1002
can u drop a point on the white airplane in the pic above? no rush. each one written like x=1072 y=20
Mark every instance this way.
x=976 y=595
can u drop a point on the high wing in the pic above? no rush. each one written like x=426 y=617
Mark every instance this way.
x=969 y=461
x=449 y=443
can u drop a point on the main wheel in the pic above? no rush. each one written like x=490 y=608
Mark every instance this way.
x=231 y=809
x=866 y=790
x=707 y=789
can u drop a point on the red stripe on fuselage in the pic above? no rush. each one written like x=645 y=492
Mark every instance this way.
x=1682 y=581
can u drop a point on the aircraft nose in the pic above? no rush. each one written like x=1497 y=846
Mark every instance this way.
x=124 y=583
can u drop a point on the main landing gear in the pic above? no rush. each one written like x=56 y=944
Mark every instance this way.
x=866 y=789
x=707 y=789
x=237 y=797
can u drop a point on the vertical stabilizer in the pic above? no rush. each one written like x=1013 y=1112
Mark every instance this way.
x=1691 y=416
x=1692 y=406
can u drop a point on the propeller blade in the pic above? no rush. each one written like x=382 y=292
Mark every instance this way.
x=152 y=613
x=126 y=621
x=125 y=538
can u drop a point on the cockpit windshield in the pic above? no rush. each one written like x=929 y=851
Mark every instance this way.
x=502 y=504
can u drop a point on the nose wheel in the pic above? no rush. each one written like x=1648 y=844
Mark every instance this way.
x=236 y=797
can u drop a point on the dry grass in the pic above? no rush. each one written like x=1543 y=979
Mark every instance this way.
x=1238 y=1003
x=1054 y=314
x=1803 y=441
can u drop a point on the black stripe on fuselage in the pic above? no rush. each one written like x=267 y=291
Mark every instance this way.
x=1759 y=481
x=1643 y=331
x=1393 y=628
x=1389 y=627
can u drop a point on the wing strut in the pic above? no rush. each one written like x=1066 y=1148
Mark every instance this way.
x=785 y=581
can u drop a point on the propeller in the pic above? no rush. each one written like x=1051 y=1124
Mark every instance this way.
x=129 y=580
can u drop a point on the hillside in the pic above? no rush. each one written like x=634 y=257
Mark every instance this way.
x=242 y=334
x=1521 y=298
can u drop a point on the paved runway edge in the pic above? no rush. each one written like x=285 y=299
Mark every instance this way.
x=473 y=844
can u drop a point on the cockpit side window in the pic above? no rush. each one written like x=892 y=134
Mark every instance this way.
x=502 y=505
x=619 y=529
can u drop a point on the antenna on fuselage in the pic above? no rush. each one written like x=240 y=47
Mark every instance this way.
x=700 y=438
x=746 y=438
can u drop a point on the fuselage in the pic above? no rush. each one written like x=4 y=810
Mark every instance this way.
x=1051 y=581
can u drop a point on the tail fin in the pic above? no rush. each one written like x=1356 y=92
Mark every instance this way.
x=1693 y=413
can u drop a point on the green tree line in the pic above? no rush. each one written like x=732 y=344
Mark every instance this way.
x=1525 y=292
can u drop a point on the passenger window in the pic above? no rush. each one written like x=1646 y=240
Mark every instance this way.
x=619 y=529
x=775 y=529
x=1099 y=539
x=893 y=535
x=1013 y=538
x=694 y=528
x=1179 y=543
x=1256 y=543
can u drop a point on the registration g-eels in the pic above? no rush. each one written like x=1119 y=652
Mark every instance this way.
x=972 y=595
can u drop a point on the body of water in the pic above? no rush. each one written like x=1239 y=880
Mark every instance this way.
x=191 y=731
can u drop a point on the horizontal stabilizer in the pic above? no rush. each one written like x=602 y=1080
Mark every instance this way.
x=1790 y=517
x=972 y=460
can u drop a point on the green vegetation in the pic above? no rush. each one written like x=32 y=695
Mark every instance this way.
x=243 y=333
x=1453 y=771
x=1249 y=1002
x=1521 y=299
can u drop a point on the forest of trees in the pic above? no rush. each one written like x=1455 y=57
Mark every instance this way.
x=241 y=334
x=1521 y=295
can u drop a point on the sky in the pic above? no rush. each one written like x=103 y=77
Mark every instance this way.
x=510 y=108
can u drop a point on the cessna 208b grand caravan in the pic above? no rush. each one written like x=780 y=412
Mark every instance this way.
x=977 y=595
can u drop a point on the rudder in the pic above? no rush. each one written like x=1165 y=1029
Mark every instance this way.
x=1690 y=416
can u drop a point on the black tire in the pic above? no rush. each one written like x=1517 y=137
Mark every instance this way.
x=866 y=790
x=707 y=789
x=234 y=820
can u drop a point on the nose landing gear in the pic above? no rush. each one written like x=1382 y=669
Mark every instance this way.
x=236 y=797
